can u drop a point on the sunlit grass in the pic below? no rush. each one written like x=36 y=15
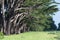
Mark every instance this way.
x=32 y=36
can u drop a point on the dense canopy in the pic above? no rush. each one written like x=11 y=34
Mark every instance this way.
x=19 y=16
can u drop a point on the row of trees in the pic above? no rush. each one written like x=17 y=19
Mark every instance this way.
x=18 y=16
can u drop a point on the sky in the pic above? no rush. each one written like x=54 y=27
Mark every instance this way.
x=56 y=17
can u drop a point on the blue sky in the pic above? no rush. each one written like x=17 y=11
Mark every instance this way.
x=56 y=17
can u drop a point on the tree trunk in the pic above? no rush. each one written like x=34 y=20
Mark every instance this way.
x=4 y=21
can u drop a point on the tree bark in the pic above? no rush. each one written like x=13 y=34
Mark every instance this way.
x=4 y=21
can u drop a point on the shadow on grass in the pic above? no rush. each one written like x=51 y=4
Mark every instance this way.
x=52 y=33
x=58 y=38
x=56 y=33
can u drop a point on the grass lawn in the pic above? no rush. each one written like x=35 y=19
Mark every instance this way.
x=32 y=36
x=58 y=35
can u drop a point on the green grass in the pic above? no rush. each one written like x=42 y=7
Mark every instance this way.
x=33 y=36
x=58 y=35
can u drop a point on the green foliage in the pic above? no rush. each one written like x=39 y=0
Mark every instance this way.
x=52 y=25
x=38 y=14
x=39 y=17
